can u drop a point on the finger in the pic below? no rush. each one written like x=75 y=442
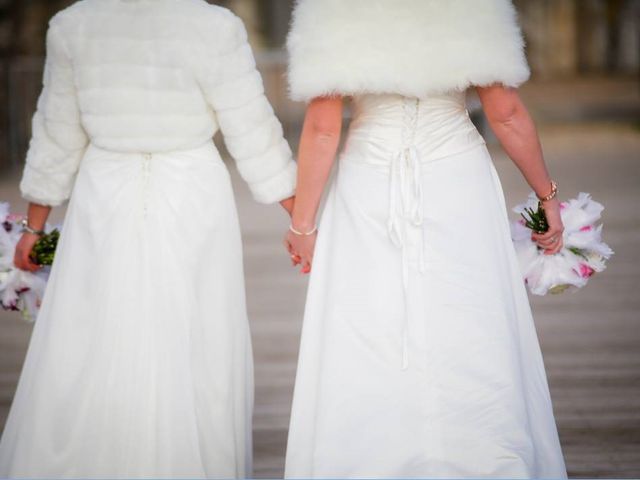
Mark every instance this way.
x=27 y=266
x=22 y=263
x=30 y=264
x=553 y=249
x=548 y=243
x=17 y=259
x=294 y=257
x=305 y=263
x=549 y=233
x=544 y=236
x=557 y=248
x=544 y=246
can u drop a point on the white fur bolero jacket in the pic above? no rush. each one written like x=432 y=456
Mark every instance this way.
x=151 y=76
x=408 y=47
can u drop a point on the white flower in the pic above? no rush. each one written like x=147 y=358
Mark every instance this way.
x=19 y=290
x=532 y=203
x=584 y=253
x=4 y=211
x=580 y=212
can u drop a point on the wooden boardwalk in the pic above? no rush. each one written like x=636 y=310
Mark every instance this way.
x=590 y=339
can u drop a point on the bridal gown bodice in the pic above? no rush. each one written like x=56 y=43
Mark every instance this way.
x=402 y=134
x=386 y=125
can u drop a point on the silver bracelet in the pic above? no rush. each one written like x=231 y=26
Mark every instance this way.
x=29 y=229
x=303 y=234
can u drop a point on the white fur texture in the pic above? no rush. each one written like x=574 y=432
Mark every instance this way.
x=152 y=76
x=409 y=47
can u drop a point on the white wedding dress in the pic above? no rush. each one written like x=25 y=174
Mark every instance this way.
x=140 y=361
x=419 y=355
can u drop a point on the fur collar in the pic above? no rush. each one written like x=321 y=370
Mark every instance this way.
x=408 y=47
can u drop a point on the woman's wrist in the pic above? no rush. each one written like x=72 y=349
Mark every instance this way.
x=302 y=228
x=29 y=228
x=549 y=194
x=303 y=233
x=301 y=222
x=37 y=217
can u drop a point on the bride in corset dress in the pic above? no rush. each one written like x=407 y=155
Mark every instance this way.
x=140 y=361
x=419 y=355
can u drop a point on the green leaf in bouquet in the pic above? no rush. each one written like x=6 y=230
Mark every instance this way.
x=578 y=252
x=535 y=220
x=45 y=248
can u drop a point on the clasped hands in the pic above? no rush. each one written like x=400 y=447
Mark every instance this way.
x=300 y=246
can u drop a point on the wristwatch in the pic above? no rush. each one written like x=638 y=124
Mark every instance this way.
x=28 y=229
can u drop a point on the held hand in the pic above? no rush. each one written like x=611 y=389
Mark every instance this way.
x=23 y=250
x=287 y=204
x=301 y=249
x=551 y=240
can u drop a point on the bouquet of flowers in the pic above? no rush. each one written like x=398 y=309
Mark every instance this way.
x=583 y=254
x=20 y=290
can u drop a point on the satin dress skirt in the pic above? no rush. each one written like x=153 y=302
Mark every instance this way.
x=140 y=361
x=419 y=355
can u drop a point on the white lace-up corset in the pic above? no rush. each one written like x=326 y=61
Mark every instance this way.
x=437 y=126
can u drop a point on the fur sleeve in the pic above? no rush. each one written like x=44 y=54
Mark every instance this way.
x=58 y=140
x=252 y=132
x=408 y=47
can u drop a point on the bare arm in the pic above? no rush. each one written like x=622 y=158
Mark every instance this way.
x=37 y=217
x=316 y=155
x=512 y=124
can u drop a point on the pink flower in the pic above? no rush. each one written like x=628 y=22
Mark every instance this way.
x=586 y=228
x=15 y=217
x=586 y=271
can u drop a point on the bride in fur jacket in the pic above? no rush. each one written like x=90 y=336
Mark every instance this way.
x=419 y=355
x=140 y=361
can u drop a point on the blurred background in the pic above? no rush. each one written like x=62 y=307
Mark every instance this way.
x=585 y=97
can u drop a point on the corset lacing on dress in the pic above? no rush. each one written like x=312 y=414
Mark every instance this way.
x=402 y=135
x=405 y=204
